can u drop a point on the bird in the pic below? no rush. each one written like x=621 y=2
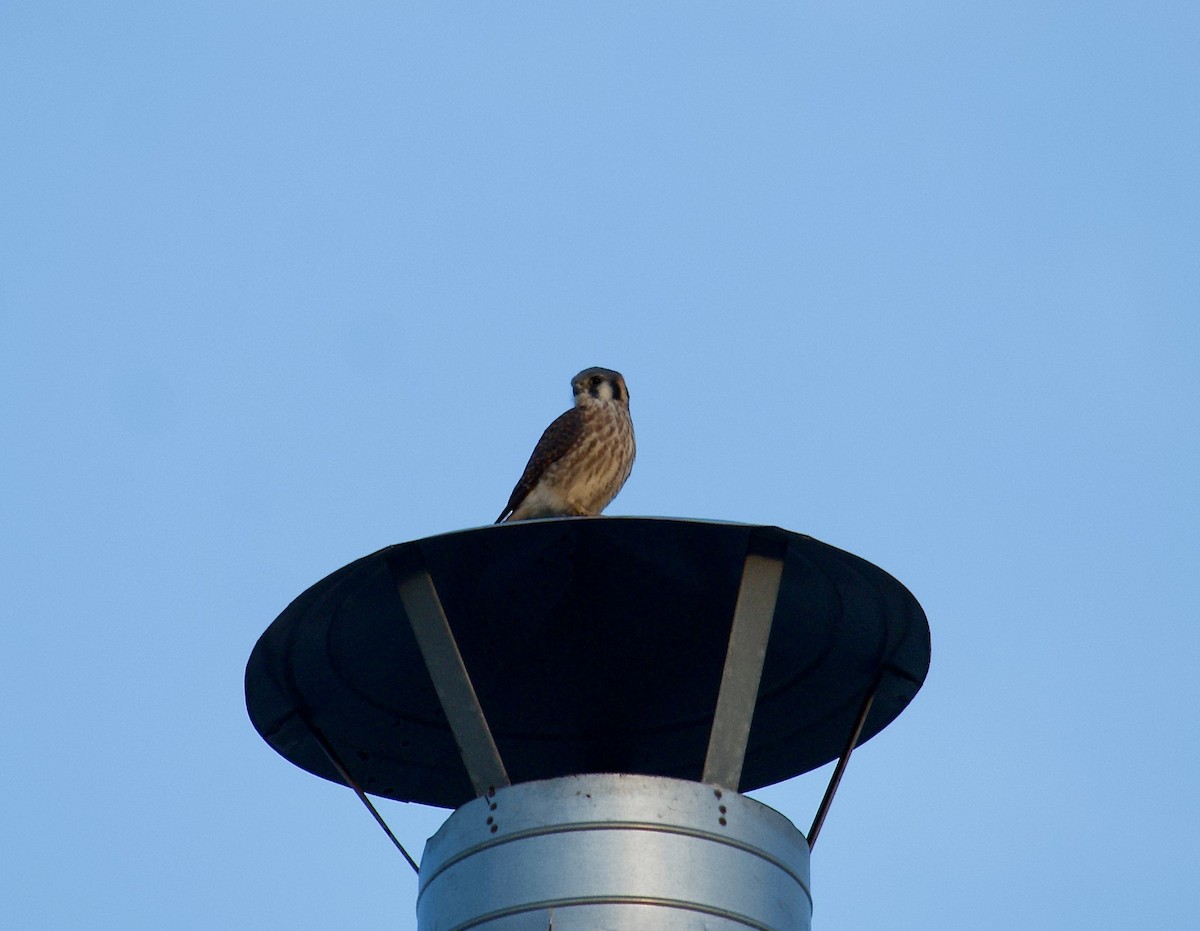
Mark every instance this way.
x=583 y=457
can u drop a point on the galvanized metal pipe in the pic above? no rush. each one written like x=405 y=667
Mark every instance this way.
x=639 y=853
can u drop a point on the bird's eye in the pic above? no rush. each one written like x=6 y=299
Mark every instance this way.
x=596 y=379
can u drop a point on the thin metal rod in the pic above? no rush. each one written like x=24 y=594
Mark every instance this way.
x=451 y=681
x=748 y=636
x=836 y=778
x=362 y=796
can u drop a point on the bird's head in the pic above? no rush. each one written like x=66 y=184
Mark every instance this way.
x=597 y=384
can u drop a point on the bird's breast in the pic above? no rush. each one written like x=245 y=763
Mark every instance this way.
x=593 y=471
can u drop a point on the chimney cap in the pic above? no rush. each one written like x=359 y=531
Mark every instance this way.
x=593 y=645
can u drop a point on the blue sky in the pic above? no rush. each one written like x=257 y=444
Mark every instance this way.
x=283 y=284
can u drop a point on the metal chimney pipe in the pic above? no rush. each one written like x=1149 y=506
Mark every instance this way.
x=638 y=853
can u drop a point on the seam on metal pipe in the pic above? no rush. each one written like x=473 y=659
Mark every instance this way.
x=551 y=830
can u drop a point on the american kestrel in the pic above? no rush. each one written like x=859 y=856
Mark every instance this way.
x=583 y=458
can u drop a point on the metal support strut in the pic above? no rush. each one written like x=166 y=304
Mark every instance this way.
x=740 y=679
x=836 y=778
x=451 y=681
x=362 y=796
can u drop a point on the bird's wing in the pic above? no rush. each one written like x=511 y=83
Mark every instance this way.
x=555 y=441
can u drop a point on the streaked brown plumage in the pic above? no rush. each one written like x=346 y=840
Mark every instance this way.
x=583 y=458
